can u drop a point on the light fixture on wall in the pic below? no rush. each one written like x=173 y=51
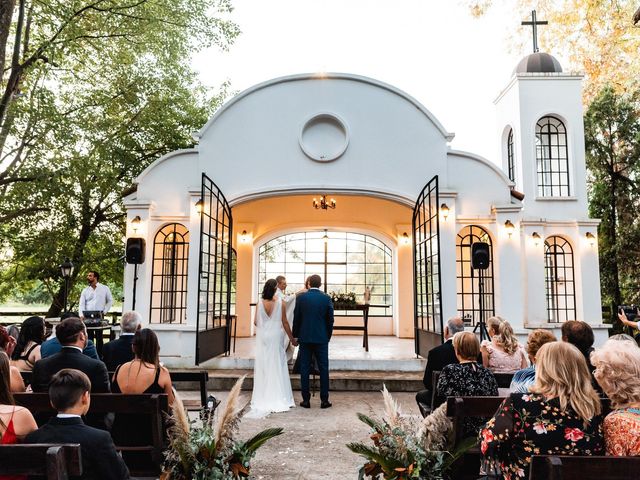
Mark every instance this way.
x=536 y=238
x=135 y=223
x=591 y=238
x=244 y=237
x=200 y=206
x=404 y=239
x=509 y=227
x=323 y=203
x=444 y=209
x=325 y=237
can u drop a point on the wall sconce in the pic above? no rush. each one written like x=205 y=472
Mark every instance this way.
x=200 y=206
x=509 y=227
x=591 y=238
x=404 y=239
x=444 y=209
x=325 y=237
x=244 y=237
x=323 y=203
x=135 y=223
x=536 y=238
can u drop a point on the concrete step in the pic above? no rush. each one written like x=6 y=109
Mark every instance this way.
x=342 y=380
x=335 y=364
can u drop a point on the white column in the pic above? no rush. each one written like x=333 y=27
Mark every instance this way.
x=535 y=306
x=587 y=274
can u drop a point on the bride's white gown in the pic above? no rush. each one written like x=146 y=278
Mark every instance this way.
x=271 y=384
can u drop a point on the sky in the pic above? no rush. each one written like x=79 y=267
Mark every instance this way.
x=434 y=50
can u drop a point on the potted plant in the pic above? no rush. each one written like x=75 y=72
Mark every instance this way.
x=208 y=449
x=407 y=446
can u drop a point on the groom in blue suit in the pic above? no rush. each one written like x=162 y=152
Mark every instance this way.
x=313 y=326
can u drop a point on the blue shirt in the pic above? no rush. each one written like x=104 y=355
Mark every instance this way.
x=52 y=346
x=523 y=379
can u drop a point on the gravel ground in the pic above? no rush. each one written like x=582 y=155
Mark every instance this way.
x=313 y=444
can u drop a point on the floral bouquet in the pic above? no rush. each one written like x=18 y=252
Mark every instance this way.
x=343 y=300
x=407 y=446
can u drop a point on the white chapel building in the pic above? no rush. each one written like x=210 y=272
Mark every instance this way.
x=246 y=204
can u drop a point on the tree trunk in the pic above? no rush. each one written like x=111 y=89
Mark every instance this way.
x=6 y=13
x=613 y=238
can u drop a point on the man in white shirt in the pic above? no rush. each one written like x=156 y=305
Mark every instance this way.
x=290 y=304
x=96 y=297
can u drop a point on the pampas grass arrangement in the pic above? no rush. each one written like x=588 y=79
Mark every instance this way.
x=208 y=449
x=407 y=446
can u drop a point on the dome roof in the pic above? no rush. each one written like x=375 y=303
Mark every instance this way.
x=538 y=62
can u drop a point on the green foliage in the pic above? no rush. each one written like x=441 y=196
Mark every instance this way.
x=612 y=142
x=343 y=300
x=408 y=447
x=103 y=89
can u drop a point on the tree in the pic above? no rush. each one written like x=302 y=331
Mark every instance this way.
x=612 y=142
x=101 y=89
x=598 y=37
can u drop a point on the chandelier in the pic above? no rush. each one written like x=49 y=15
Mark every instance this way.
x=323 y=203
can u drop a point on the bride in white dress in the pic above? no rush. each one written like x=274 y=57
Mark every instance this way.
x=271 y=384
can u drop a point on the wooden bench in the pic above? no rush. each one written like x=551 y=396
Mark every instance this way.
x=195 y=376
x=459 y=408
x=54 y=461
x=567 y=467
x=155 y=405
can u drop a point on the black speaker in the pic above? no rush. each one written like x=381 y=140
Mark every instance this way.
x=135 y=250
x=480 y=255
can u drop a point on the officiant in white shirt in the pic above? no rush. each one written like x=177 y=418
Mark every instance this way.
x=96 y=297
x=290 y=304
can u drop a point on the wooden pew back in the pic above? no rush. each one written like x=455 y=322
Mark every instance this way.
x=154 y=405
x=56 y=462
x=551 y=467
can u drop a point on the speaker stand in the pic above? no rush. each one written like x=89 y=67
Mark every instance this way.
x=135 y=283
x=481 y=326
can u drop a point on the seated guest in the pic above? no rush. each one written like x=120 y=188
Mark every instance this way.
x=27 y=350
x=580 y=334
x=7 y=345
x=69 y=395
x=15 y=422
x=623 y=337
x=617 y=370
x=117 y=352
x=52 y=346
x=143 y=374
x=503 y=354
x=524 y=378
x=561 y=414
x=72 y=335
x=466 y=378
x=438 y=358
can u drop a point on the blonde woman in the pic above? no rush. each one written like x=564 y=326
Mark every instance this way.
x=618 y=373
x=561 y=414
x=503 y=354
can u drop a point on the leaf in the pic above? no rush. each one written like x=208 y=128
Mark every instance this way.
x=259 y=439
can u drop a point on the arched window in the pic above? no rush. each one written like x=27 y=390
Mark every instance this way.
x=169 y=275
x=552 y=158
x=474 y=287
x=559 y=280
x=347 y=262
x=510 y=157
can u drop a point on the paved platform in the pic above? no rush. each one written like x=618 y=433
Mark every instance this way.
x=386 y=353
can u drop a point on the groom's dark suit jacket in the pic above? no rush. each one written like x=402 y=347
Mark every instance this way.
x=313 y=317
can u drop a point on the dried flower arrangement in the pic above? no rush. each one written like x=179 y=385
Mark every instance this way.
x=208 y=450
x=407 y=446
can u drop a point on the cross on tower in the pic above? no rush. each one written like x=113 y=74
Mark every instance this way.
x=534 y=23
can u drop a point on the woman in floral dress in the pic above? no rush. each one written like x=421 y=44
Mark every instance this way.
x=560 y=415
x=618 y=373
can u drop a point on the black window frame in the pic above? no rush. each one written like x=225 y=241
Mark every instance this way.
x=552 y=158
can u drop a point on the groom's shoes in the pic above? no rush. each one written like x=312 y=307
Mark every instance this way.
x=326 y=404
x=305 y=404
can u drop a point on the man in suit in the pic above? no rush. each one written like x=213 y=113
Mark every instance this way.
x=438 y=358
x=52 y=346
x=69 y=395
x=117 y=352
x=72 y=335
x=312 y=327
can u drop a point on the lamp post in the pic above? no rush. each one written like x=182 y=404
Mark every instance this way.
x=67 y=270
